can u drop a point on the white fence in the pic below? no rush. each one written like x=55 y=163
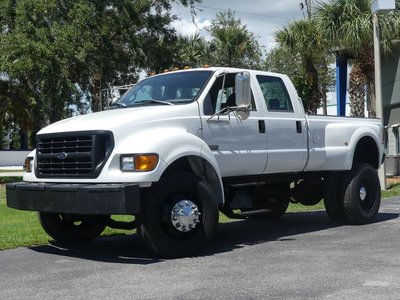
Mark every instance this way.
x=13 y=157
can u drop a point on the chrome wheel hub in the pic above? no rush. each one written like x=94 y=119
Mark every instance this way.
x=185 y=215
x=363 y=193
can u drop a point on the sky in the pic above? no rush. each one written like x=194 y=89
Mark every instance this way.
x=262 y=17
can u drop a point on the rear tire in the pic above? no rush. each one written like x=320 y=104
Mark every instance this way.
x=70 y=228
x=180 y=215
x=333 y=200
x=362 y=195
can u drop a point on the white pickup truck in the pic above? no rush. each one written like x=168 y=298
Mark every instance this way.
x=180 y=146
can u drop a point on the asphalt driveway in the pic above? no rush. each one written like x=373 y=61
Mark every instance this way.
x=301 y=256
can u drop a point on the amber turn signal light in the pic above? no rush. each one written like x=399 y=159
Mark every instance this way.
x=138 y=162
x=146 y=162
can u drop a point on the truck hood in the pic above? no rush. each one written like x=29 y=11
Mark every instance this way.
x=122 y=117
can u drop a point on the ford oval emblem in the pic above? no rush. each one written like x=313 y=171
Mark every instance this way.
x=62 y=155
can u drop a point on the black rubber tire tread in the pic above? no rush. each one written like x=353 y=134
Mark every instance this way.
x=309 y=194
x=154 y=231
x=333 y=200
x=61 y=230
x=363 y=174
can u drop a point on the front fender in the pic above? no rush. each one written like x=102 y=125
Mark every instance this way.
x=170 y=144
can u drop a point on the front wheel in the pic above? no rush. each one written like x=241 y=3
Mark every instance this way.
x=362 y=195
x=180 y=215
x=72 y=228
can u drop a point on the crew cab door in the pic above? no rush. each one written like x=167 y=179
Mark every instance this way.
x=238 y=145
x=285 y=126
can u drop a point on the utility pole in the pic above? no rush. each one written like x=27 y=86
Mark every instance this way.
x=379 y=7
x=308 y=4
x=378 y=89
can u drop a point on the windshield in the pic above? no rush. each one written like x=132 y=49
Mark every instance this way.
x=168 y=89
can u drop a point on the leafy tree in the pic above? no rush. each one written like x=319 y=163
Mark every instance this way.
x=58 y=54
x=347 y=26
x=282 y=60
x=232 y=44
x=302 y=41
x=192 y=51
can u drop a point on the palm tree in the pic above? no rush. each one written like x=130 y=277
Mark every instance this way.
x=347 y=26
x=191 y=51
x=232 y=44
x=302 y=39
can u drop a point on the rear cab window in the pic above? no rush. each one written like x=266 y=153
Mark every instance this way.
x=275 y=94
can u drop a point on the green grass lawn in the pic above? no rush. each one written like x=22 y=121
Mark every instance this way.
x=22 y=228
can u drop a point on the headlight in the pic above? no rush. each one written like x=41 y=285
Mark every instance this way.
x=138 y=162
x=28 y=165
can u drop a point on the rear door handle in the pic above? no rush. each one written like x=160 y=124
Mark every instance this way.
x=299 y=127
x=261 y=126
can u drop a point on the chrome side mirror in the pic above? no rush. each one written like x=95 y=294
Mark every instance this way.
x=243 y=94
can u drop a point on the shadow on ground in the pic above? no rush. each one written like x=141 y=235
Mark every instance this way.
x=131 y=249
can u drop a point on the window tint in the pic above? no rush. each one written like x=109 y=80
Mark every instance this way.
x=222 y=94
x=275 y=94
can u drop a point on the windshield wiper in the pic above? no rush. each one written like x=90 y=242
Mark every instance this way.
x=123 y=105
x=153 y=101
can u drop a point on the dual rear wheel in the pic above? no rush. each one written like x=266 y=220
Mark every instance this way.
x=355 y=197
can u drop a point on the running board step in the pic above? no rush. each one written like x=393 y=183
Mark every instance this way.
x=243 y=215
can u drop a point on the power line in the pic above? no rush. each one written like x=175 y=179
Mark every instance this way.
x=244 y=12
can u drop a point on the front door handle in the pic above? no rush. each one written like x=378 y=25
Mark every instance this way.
x=299 y=127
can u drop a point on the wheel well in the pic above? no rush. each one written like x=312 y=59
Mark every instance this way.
x=366 y=152
x=201 y=168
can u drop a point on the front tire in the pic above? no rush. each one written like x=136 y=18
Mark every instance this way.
x=362 y=196
x=180 y=215
x=70 y=228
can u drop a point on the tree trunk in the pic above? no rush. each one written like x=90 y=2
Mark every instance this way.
x=356 y=91
x=372 y=100
x=23 y=134
x=315 y=100
x=367 y=65
x=324 y=103
x=95 y=92
x=371 y=95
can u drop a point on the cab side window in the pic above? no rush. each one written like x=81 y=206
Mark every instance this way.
x=222 y=94
x=275 y=94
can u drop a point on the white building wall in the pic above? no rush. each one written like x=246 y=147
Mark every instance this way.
x=13 y=157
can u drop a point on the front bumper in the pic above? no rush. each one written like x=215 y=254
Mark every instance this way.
x=85 y=199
